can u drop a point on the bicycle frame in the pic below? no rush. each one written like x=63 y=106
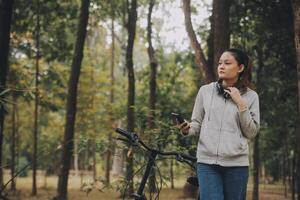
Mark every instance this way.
x=151 y=161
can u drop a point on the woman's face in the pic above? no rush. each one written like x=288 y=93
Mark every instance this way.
x=228 y=68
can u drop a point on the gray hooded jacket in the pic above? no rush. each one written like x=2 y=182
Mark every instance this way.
x=223 y=130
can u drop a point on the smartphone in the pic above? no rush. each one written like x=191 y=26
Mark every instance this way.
x=178 y=117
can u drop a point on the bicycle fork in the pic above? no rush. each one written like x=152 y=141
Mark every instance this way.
x=151 y=161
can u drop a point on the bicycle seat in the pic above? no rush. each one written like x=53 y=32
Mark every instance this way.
x=193 y=180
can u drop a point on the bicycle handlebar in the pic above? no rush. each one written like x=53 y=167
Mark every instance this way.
x=135 y=139
x=125 y=133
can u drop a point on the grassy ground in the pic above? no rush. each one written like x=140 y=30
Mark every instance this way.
x=46 y=190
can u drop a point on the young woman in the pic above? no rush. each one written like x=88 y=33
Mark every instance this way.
x=225 y=115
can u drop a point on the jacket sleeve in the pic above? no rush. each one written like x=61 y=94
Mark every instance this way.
x=250 y=118
x=198 y=113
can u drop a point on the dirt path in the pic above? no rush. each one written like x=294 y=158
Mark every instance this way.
x=75 y=194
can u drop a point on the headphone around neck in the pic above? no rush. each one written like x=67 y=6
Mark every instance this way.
x=221 y=90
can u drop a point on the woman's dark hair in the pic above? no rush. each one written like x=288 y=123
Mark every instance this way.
x=244 y=79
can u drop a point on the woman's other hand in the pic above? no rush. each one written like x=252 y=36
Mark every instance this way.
x=237 y=98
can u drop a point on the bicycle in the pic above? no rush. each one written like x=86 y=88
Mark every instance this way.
x=134 y=139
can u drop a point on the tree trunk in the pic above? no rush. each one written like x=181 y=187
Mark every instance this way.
x=71 y=102
x=94 y=161
x=6 y=7
x=131 y=28
x=87 y=156
x=13 y=142
x=76 y=157
x=172 y=173
x=119 y=157
x=153 y=68
x=218 y=41
x=152 y=84
x=294 y=174
x=256 y=159
x=112 y=81
x=286 y=162
x=220 y=30
x=36 y=105
x=17 y=150
x=206 y=71
x=296 y=11
x=118 y=161
x=286 y=166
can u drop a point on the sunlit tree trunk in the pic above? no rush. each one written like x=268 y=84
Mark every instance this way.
x=112 y=81
x=6 y=7
x=68 y=142
x=119 y=157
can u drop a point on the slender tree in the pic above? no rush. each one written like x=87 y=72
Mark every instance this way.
x=111 y=95
x=152 y=82
x=119 y=156
x=71 y=102
x=6 y=7
x=13 y=142
x=296 y=11
x=131 y=29
x=256 y=157
x=200 y=59
x=36 y=103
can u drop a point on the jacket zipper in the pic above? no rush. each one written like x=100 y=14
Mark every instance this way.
x=211 y=100
x=220 y=131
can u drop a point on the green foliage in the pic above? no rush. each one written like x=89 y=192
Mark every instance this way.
x=263 y=28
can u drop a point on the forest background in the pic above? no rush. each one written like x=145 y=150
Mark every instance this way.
x=73 y=71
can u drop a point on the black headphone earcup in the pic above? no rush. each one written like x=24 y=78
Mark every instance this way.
x=226 y=95
x=221 y=90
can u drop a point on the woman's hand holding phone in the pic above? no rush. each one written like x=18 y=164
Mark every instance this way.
x=184 y=127
x=181 y=123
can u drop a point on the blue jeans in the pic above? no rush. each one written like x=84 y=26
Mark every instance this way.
x=222 y=183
